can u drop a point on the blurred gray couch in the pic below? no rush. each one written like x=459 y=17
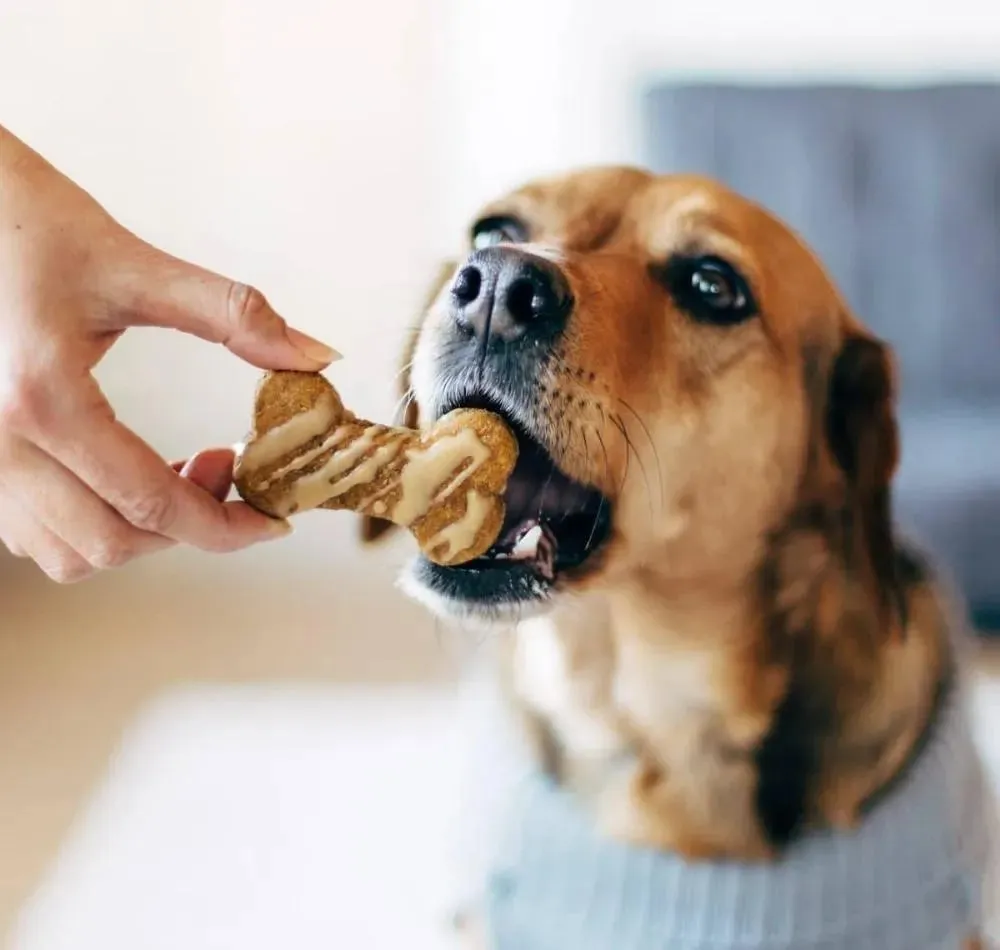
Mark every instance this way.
x=898 y=190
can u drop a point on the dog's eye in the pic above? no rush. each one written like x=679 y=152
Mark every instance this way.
x=710 y=289
x=498 y=230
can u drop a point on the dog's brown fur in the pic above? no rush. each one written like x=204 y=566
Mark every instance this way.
x=763 y=648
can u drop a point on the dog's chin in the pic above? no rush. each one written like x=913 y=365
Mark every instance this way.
x=483 y=597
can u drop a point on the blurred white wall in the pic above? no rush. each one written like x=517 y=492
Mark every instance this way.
x=290 y=144
x=332 y=152
x=539 y=85
x=287 y=144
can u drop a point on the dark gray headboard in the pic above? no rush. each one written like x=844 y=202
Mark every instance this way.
x=898 y=190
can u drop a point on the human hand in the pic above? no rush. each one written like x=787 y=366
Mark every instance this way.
x=79 y=491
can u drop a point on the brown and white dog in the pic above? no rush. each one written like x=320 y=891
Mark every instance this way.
x=701 y=511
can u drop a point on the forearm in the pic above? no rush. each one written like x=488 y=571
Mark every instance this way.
x=18 y=163
x=39 y=204
x=23 y=174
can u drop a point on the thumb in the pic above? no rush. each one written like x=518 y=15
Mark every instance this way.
x=163 y=291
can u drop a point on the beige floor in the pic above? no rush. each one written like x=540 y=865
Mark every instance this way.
x=77 y=663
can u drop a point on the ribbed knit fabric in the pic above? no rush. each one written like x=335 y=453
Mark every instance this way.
x=911 y=878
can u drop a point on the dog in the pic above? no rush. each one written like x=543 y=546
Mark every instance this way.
x=719 y=645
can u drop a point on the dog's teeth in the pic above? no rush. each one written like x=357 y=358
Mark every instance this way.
x=527 y=545
x=545 y=560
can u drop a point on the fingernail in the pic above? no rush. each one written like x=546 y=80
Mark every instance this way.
x=310 y=347
x=278 y=528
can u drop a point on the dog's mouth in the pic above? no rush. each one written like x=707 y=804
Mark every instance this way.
x=553 y=528
x=553 y=523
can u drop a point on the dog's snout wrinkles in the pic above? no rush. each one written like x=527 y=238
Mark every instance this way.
x=503 y=294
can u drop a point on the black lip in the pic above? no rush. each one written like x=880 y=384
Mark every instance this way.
x=488 y=590
x=580 y=516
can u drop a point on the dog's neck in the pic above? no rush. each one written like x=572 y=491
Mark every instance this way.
x=688 y=652
x=730 y=639
x=650 y=609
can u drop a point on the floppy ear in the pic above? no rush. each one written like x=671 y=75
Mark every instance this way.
x=374 y=528
x=864 y=439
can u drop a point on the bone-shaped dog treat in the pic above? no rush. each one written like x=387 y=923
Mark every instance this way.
x=445 y=484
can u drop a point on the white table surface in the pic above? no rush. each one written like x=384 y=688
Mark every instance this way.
x=257 y=818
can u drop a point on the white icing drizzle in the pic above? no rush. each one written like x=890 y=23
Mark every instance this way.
x=320 y=486
x=425 y=472
x=303 y=427
x=428 y=467
x=340 y=434
x=461 y=534
x=366 y=471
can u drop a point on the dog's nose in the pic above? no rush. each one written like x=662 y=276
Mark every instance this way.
x=504 y=293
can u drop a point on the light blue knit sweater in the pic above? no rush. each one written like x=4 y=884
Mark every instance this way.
x=911 y=878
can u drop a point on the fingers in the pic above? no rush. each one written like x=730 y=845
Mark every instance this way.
x=71 y=533
x=136 y=502
x=62 y=525
x=211 y=470
x=25 y=537
x=160 y=290
x=12 y=529
x=130 y=477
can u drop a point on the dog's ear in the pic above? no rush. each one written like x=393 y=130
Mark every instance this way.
x=374 y=528
x=864 y=440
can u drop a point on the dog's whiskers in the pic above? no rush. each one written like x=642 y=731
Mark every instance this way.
x=403 y=370
x=583 y=507
x=597 y=521
x=545 y=488
x=631 y=450
x=608 y=474
x=642 y=468
x=586 y=445
x=652 y=445
x=403 y=404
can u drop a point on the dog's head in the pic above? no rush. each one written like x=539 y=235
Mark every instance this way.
x=683 y=378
